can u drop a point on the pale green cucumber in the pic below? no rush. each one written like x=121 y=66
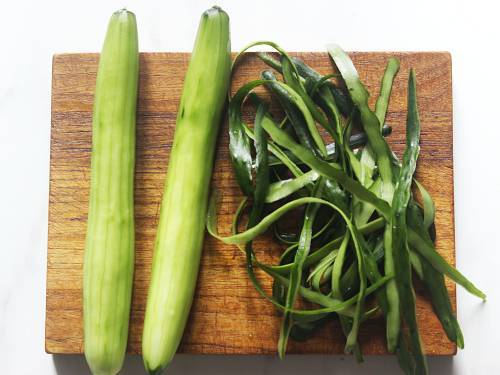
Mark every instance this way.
x=181 y=228
x=109 y=249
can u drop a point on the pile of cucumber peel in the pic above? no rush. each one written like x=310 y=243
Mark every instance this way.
x=356 y=226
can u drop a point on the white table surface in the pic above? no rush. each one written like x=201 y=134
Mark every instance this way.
x=32 y=31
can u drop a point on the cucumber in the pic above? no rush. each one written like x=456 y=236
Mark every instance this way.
x=109 y=248
x=181 y=226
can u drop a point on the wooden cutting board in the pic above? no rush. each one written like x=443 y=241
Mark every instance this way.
x=228 y=316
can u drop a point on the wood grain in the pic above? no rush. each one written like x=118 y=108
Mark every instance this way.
x=228 y=316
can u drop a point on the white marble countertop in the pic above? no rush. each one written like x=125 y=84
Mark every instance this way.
x=32 y=31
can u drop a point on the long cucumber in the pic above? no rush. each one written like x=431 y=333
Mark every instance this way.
x=109 y=249
x=181 y=227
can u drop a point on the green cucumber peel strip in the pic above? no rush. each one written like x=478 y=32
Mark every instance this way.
x=428 y=203
x=401 y=199
x=364 y=211
x=321 y=270
x=385 y=190
x=276 y=151
x=272 y=62
x=236 y=219
x=381 y=106
x=321 y=82
x=382 y=103
x=405 y=358
x=337 y=267
x=393 y=313
x=293 y=81
x=295 y=277
x=426 y=248
x=367 y=160
x=362 y=171
x=336 y=279
x=369 y=120
x=298 y=84
x=282 y=189
x=416 y=264
x=341 y=99
x=272 y=45
x=239 y=97
x=240 y=153
x=441 y=303
x=306 y=72
x=261 y=164
x=434 y=281
x=305 y=130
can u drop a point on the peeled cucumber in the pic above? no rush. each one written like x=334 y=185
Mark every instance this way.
x=109 y=248
x=181 y=227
